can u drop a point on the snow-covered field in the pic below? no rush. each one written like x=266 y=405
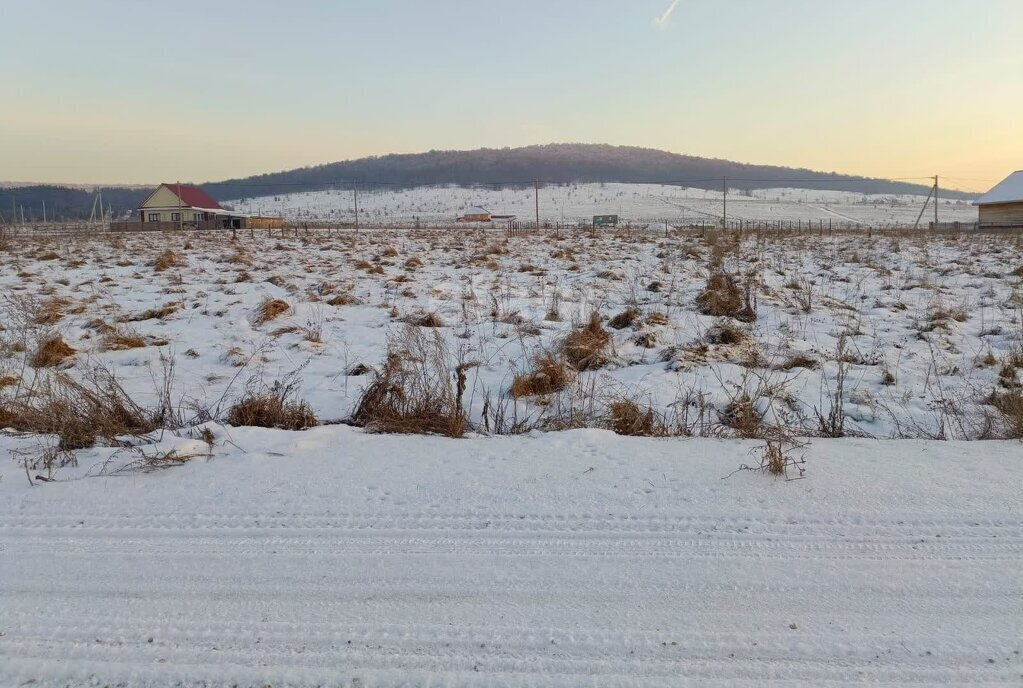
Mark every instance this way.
x=523 y=554
x=928 y=327
x=637 y=203
x=331 y=557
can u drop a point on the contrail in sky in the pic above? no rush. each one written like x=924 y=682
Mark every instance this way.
x=663 y=19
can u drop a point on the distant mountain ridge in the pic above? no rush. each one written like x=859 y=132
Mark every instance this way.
x=558 y=162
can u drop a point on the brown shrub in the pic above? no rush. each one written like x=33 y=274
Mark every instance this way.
x=273 y=406
x=586 y=347
x=269 y=309
x=52 y=351
x=722 y=297
x=547 y=377
x=413 y=393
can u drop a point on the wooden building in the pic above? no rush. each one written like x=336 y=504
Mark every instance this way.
x=1002 y=206
x=475 y=214
x=182 y=206
x=182 y=203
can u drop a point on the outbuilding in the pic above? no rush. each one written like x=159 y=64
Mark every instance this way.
x=1002 y=206
x=475 y=214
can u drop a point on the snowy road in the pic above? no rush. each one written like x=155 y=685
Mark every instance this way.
x=331 y=557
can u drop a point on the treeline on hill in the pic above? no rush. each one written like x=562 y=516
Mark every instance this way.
x=63 y=203
x=569 y=162
x=552 y=163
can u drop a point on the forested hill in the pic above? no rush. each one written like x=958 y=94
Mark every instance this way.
x=568 y=162
x=63 y=202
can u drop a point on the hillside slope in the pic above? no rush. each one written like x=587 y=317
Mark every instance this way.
x=561 y=162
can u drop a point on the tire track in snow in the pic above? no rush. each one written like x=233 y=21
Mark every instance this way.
x=404 y=596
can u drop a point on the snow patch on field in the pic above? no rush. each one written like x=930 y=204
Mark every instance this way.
x=575 y=203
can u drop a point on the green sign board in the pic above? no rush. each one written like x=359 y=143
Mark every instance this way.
x=605 y=220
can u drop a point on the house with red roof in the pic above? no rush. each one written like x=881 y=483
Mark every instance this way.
x=187 y=206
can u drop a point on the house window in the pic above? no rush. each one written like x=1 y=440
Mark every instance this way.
x=175 y=217
x=154 y=217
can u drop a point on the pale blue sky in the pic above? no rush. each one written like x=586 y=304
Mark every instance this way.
x=121 y=91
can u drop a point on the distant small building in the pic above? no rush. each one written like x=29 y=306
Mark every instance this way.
x=475 y=214
x=1002 y=206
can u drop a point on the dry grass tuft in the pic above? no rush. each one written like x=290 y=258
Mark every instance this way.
x=586 y=347
x=50 y=312
x=627 y=418
x=273 y=406
x=154 y=313
x=799 y=361
x=624 y=319
x=52 y=351
x=269 y=309
x=120 y=340
x=413 y=392
x=80 y=412
x=547 y=377
x=428 y=320
x=727 y=333
x=722 y=297
x=1010 y=407
x=166 y=260
x=342 y=300
x=741 y=415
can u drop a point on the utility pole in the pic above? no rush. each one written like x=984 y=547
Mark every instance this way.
x=724 y=202
x=181 y=220
x=536 y=199
x=923 y=209
x=355 y=190
x=935 y=202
